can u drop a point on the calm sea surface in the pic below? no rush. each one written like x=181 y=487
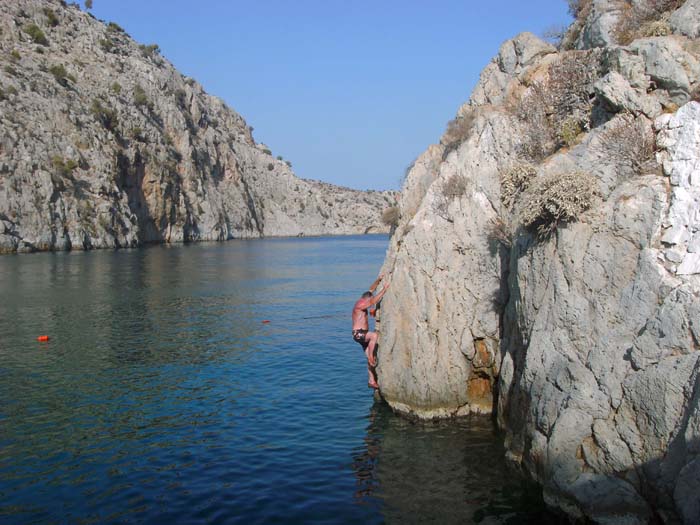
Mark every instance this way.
x=162 y=397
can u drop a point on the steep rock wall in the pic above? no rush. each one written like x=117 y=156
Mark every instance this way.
x=583 y=337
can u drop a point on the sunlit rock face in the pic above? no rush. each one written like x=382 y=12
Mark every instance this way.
x=581 y=334
x=104 y=144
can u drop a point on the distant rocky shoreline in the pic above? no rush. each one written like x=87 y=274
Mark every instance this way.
x=103 y=144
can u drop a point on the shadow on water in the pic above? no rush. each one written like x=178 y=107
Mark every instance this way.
x=441 y=472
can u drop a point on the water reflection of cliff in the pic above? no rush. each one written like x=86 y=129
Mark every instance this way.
x=443 y=472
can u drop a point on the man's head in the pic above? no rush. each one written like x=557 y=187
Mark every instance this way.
x=366 y=295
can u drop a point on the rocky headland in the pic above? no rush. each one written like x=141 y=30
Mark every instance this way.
x=103 y=143
x=546 y=264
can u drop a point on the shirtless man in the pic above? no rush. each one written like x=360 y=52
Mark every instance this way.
x=360 y=327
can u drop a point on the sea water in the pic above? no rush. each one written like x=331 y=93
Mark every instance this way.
x=165 y=396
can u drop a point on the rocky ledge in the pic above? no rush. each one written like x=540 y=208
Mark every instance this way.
x=104 y=144
x=546 y=264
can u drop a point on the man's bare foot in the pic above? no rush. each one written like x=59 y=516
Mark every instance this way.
x=373 y=385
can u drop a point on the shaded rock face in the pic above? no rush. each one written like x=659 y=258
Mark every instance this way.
x=104 y=144
x=582 y=337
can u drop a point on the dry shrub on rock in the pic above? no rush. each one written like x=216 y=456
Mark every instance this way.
x=514 y=181
x=452 y=188
x=560 y=102
x=556 y=198
x=458 y=130
x=391 y=216
x=630 y=144
x=644 y=19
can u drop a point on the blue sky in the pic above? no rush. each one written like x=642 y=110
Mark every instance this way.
x=349 y=91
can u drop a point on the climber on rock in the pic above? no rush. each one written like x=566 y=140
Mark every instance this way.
x=360 y=326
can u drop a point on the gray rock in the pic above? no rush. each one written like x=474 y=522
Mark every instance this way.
x=686 y=19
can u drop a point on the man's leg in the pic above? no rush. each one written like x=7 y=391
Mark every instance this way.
x=371 y=339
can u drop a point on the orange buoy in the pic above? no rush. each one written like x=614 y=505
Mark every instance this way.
x=265 y=321
x=42 y=338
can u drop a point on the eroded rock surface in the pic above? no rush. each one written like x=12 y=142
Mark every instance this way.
x=582 y=337
x=104 y=144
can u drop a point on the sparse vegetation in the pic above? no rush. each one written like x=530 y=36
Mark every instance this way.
x=644 y=19
x=149 y=51
x=61 y=75
x=498 y=231
x=36 y=34
x=51 y=17
x=630 y=144
x=104 y=115
x=140 y=97
x=10 y=70
x=107 y=45
x=391 y=216
x=288 y=163
x=136 y=134
x=556 y=198
x=451 y=189
x=557 y=108
x=514 y=181
x=113 y=27
x=15 y=56
x=115 y=88
x=63 y=167
x=458 y=130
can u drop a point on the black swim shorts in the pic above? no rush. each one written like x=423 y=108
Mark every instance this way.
x=359 y=336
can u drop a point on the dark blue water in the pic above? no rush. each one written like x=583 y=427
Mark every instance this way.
x=162 y=397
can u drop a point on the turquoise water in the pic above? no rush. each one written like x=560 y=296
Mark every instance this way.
x=162 y=397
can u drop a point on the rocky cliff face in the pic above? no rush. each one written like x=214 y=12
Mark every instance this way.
x=546 y=264
x=104 y=144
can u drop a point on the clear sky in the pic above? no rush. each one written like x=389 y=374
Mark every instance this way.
x=349 y=91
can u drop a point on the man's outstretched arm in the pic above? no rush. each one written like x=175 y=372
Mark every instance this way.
x=374 y=300
x=374 y=285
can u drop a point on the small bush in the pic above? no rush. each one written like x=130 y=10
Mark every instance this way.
x=63 y=167
x=514 y=181
x=458 y=131
x=113 y=27
x=15 y=56
x=280 y=157
x=36 y=34
x=140 y=97
x=562 y=96
x=107 y=45
x=270 y=166
x=267 y=151
x=104 y=115
x=149 y=51
x=51 y=17
x=630 y=144
x=644 y=19
x=288 y=163
x=451 y=189
x=556 y=198
x=10 y=70
x=391 y=216
x=60 y=74
x=570 y=129
x=115 y=88
x=136 y=134
x=497 y=231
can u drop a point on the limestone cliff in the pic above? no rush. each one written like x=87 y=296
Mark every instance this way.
x=104 y=144
x=546 y=265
